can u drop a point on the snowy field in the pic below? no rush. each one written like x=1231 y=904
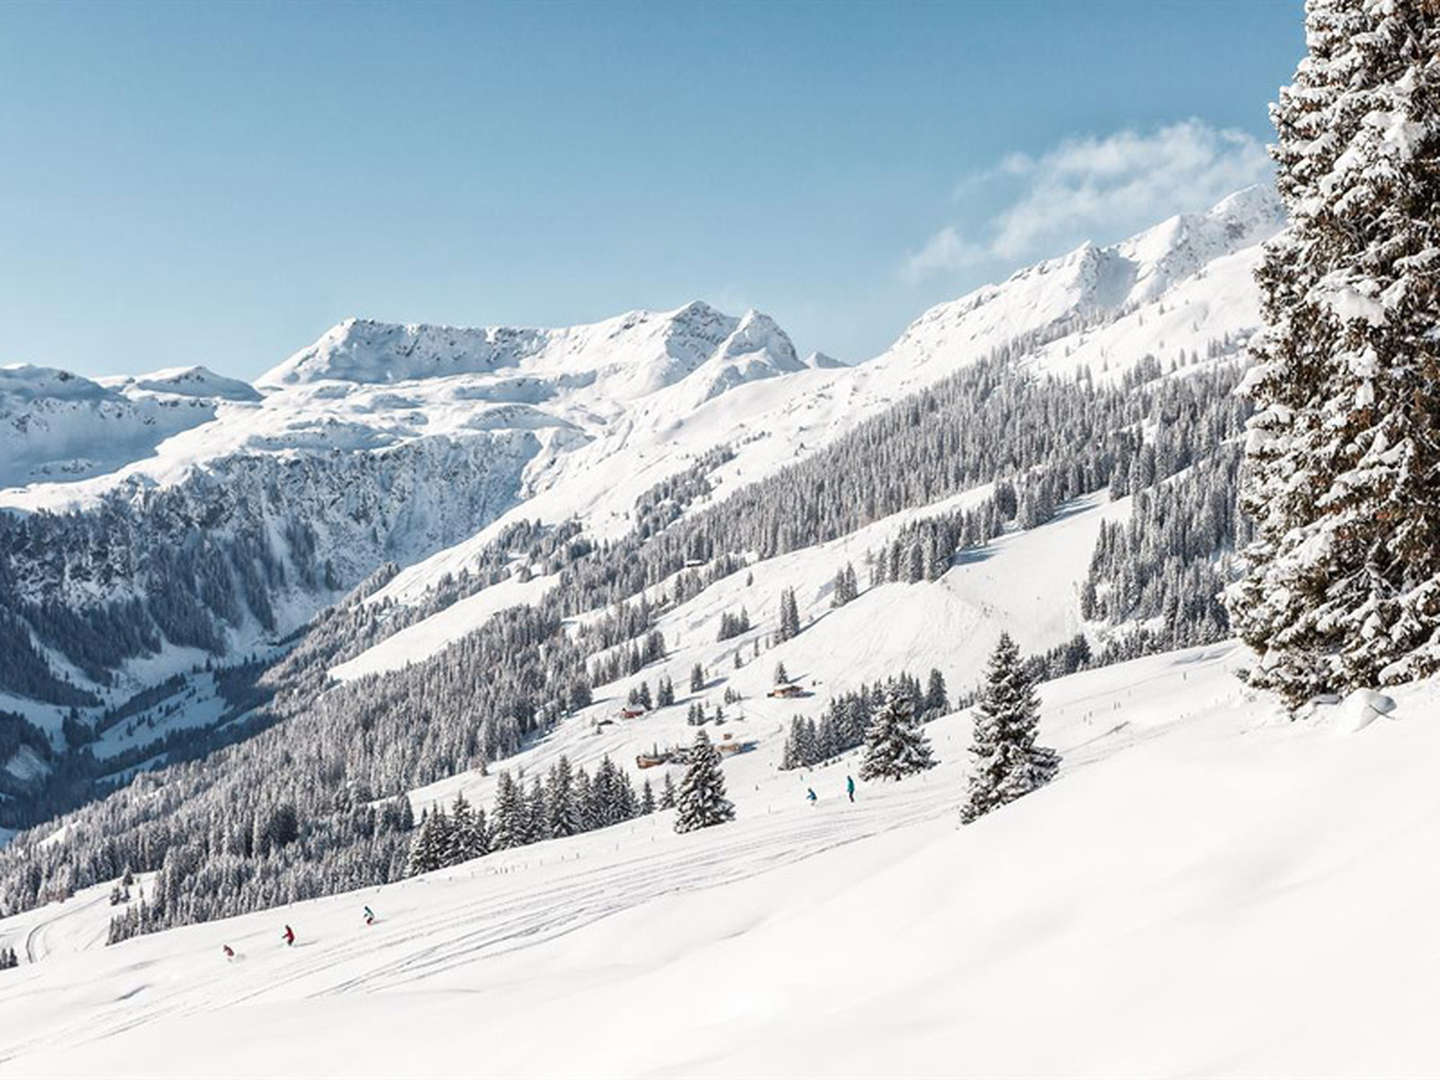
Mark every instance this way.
x=1207 y=889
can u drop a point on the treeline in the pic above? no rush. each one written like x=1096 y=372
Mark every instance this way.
x=565 y=803
x=845 y=718
x=1157 y=576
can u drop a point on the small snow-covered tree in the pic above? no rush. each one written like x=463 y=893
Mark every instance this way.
x=508 y=824
x=667 y=793
x=1342 y=585
x=564 y=815
x=937 y=700
x=781 y=675
x=697 y=679
x=895 y=744
x=467 y=833
x=701 y=801
x=789 y=616
x=430 y=844
x=647 y=797
x=1005 y=762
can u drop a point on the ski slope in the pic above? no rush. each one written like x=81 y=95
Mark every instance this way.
x=1204 y=874
x=1025 y=581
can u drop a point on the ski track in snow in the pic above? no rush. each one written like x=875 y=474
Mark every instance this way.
x=509 y=915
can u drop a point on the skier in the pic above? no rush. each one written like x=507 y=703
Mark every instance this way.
x=810 y=794
x=229 y=953
x=289 y=935
x=850 y=787
x=369 y=916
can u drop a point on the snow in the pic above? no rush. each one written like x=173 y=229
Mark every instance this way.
x=193 y=381
x=429 y=636
x=1094 y=284
x=1359 y=709
x=863 y=940
x=197 y=704
x=25 y=764
x=55 y=424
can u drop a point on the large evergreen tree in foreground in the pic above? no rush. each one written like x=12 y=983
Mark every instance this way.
x=1006 y=763
x=1343 y=579
x=895 y=744
x=701 y=801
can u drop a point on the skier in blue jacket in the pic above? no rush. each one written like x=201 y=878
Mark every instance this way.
x=810 y=794
x=850 y=787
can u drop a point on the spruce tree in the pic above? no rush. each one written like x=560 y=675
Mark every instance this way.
x=428 y=846
x=1006 y=763
x=466 y=840
x=697 y=679
x=781 y=675
x=667 y=793
x=584 y=801
x=537 y=814
x=508 y=825
x=701 y=800
x=564 y=815
x=1342 y=585
x=789 y=616
x=895 y=744
x=937 y=701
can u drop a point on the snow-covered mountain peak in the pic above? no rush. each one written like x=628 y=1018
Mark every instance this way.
x=193 y=381
x=756 y=349
x=21 y=384
x=1093 y=283
x=1179 y=246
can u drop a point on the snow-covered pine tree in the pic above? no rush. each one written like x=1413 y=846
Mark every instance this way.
x=584 y=800
x=895 y=744
x=564 y=815
x=789 y=616
x=647 y=797
x=1006 y=763
x=508 y=821
x=667 y=792
x=1342 y=586
x=429 y=845
x=701 y=800
x=937 y=701
x=697 y=679
x=467 y=835
x=792 y=755
x=537 y=814
x=781 y=675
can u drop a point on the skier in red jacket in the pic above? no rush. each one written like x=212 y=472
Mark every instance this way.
x=289 y=935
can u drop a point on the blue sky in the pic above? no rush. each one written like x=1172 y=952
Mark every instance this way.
x=220 y=183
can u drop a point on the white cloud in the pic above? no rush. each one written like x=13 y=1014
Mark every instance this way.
x=944 y=251
x=1096 y=188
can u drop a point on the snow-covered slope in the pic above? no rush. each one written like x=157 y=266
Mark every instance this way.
x=1091 y=285
x=419 y=444
x=193 y=381
x=1149 y=913
x=59 y=426
x=1185 y=285
x=622 y=358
